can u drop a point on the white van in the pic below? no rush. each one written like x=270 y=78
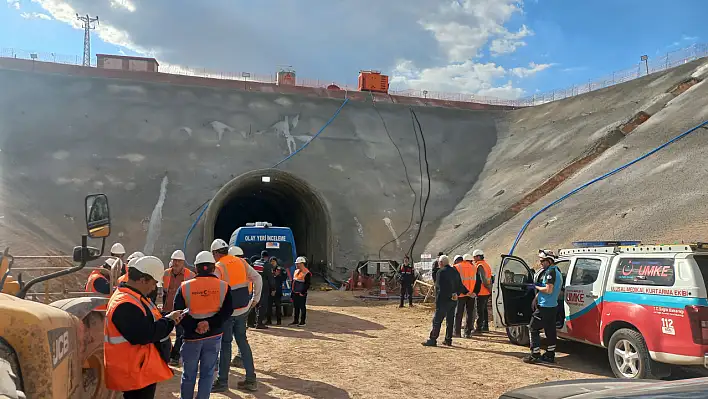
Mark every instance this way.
x=645 y=303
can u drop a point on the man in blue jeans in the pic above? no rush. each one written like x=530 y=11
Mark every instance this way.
x=238 y=273
x=206 y=302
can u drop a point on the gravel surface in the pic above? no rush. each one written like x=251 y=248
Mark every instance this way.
x=356 y=349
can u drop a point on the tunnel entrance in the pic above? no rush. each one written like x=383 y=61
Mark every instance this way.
x=285 y=201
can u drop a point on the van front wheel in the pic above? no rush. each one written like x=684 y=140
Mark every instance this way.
x=629 y=356
x=518 y=335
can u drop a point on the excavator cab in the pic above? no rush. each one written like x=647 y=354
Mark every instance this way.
x=54 y=350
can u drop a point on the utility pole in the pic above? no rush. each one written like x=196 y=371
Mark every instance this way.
x=87 y=25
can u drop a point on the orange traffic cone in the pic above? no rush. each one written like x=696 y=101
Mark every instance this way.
x=383 y=293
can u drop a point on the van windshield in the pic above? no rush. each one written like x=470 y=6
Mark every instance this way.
x=702 y=261
x=284 y=252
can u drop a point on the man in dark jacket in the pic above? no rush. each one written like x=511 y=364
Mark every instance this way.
x=436 y=265
x=279 y=276
x=263 y=267
x=448 y=285
x=407 y=278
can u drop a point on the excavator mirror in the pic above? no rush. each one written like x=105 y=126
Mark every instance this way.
x=86 y=254
x=98 y=217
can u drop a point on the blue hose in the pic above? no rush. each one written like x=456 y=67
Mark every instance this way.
x=606 y=175
x=204 y=208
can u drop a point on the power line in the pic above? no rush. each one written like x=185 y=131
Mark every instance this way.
x=87 y=25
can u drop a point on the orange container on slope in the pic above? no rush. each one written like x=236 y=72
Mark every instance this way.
x=373 y=81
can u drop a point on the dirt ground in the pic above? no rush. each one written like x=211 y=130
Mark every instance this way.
x=356 y=349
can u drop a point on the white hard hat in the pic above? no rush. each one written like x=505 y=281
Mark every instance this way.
x=547 y=254
x=467 y=257
x=218 y=244
x=118 y=249
x=177 y=255
x=235 y=251
x=110 y=262
x=132 y=261
x=151 y=266
x=301 y=259
x=204 y=257
x=134 y=255
x=457 y=258
x=477 y=252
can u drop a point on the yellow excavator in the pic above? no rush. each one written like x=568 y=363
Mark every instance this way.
x=54 y=350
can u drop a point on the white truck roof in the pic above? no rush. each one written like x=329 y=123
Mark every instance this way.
x=638 y=249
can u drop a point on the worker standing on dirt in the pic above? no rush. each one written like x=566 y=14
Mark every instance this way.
x=134 y=331
x=407 y=276
x=448 y=285
x=465 y=302
x=279 y=276
x=436 y=266
x=206 y=300
x=302 y=278
x=544 y=315
x=262 y=266
x=238 y=274
x=484 y=272
x=99 y=281
x=252 y=314
x=172 y=279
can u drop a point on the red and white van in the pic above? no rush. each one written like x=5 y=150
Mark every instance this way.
x=645 y=303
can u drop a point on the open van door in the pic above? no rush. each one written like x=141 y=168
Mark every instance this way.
x=512 y=299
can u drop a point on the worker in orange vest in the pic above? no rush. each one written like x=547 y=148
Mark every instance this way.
x=465 y=302
x=207 y=300
x=485 y=290
x=99 y=281
x=133 y=332
x=238 y=274
x=301 y=283
x=172 y=279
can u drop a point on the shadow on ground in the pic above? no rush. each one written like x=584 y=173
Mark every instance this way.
x=325 y=322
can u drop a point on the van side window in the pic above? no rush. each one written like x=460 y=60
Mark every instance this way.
x=645 y=271
x=585 y=271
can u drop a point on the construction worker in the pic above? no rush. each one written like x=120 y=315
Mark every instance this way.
x=276 y=300
x=262 y=266
x=301 y=283
x=99 y=281
x=436 y=265
x=238 y=252
x=124 y=271
x=465 y=302
x=237 y=273
x=407 y=274
x=206 y=301
x=134 y=331
x=172 y=279
x=118 y=252
x=545 y=303
x=448 y=285
x=484 y=272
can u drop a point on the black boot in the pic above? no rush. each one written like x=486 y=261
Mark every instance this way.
x=532 y=358
x=549 y=357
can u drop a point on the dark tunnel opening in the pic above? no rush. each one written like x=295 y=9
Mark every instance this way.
x=284 y=201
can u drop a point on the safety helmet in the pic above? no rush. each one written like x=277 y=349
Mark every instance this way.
x=151 y=266
x=136 y=254
x=467 y=257
x=477 y=252
x=108 y=264
x=547 y=254
x=177 y=255
x=204 y=257
x=218 y=244
x=118 y=249
x=457 y=258
x=235 y=251
x=301 y=259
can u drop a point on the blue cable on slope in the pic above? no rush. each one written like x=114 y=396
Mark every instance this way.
x=206 y=205
x=606 y=175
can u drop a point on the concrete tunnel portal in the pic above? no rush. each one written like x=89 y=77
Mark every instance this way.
x=285 y=201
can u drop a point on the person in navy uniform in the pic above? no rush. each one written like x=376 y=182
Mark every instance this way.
x=548 y=284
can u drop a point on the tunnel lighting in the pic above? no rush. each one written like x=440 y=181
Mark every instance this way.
x=265 y=179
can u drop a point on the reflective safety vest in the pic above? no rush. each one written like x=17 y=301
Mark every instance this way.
x=203 y=296
x=123 y=278
x=130 y=367
x=468 y=274
x=95 y=275
x=167 y=277
x=232 y=270
x=487 y=272
x=299 y=279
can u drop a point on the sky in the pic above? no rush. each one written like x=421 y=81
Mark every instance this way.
x=497 y=48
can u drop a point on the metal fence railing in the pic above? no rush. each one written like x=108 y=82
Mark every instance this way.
x=654 y=64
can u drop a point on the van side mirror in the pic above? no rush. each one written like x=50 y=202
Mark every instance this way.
x=87 y=254
x=98 y=217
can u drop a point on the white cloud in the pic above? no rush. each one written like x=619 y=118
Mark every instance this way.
x=14 y=4
x=532 y=69
x=124 y=4
x=35 y=15
x=509 y=42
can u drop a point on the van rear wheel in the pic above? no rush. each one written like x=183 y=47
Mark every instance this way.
x=629 y=356
x=518 y=335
